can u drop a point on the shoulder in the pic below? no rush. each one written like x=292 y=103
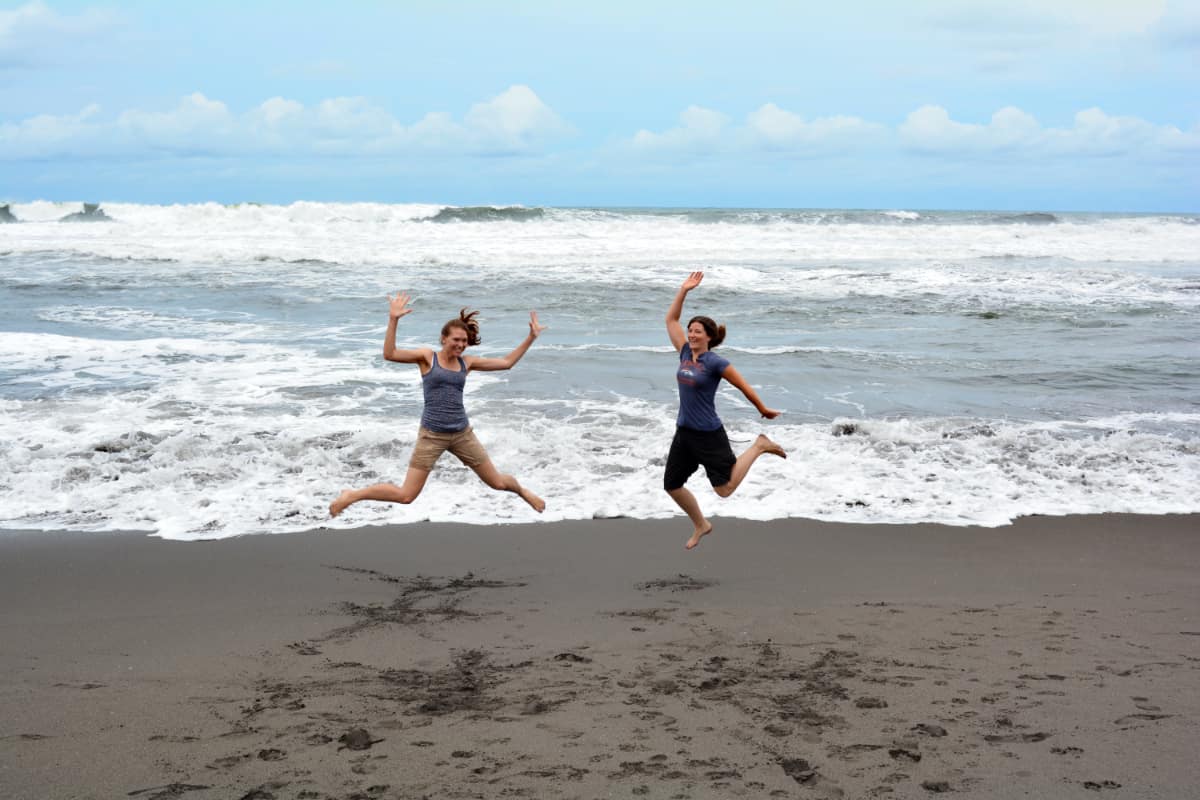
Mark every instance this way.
x=715 y=362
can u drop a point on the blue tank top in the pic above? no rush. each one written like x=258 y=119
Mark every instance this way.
x=443 y=388
x=698 y=379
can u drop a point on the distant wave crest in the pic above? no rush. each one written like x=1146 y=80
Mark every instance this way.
x=488 y=214
x=1032 y=218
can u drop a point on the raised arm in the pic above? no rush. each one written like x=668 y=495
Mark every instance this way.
x=510 y=360
x=398 y=307
x=674 y=329
x=734 y=377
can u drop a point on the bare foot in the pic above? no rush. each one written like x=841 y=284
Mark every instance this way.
x=769 y=447
x=697 y=536
x=538 y=504
x=339 y=505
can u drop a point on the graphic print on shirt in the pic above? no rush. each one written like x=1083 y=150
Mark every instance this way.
x=690 y=371
x=693 y=373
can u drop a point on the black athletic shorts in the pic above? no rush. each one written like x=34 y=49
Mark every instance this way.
x=691 y=448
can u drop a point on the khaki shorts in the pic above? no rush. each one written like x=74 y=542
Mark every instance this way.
x=431 y=445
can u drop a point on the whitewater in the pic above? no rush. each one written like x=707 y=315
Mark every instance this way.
x=204 y=371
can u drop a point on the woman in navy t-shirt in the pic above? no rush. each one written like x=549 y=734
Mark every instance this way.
x=699 y=435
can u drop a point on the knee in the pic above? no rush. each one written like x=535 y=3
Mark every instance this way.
x=724 y=490
x=498 y=482
x=399 y=494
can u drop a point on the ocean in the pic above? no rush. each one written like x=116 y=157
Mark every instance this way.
x=205 y=371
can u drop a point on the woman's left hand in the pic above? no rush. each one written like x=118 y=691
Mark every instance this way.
x=770 y=413
x=535 y=329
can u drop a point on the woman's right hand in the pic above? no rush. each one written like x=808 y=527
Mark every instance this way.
x=398 y=305
x=692 y=281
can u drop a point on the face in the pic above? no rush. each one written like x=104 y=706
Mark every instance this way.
x=698 y=338
x=455 y=342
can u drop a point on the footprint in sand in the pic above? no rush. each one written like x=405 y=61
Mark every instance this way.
x=805 y=774
x=1144 y=704
x=929 y=729
x=1010 y=738
x=680 y=583
x=1067 y=751
x=357 y=739
x=1096 y=786
x=170 y=790
x=1128 y=718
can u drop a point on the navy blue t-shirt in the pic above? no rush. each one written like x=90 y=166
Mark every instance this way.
x=698 y=379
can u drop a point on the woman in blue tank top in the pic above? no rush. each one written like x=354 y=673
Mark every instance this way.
x=444 y=424
x=699 y=435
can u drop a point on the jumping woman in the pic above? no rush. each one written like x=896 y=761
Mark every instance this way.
x=699 y=435
x=444 y=424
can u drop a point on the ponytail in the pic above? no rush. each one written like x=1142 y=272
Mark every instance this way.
x=466 y=321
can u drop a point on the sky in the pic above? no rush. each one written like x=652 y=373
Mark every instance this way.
x=1085 y=105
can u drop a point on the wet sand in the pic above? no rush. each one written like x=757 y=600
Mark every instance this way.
x=1058 y=657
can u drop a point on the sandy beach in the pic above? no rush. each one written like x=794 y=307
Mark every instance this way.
x=1057 y=657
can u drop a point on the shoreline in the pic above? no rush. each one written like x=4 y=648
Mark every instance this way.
x=1057 y=656
x=539 y=522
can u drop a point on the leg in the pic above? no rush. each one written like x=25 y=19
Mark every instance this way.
x=414 y=482
x=742 y=466
x=488 y=473
x=468 y=449
x=701 y=527
x=681 y=463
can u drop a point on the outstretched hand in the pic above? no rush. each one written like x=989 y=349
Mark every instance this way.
x=398 y=305
x=770 y=413
x=535 y=329
x=692 y=281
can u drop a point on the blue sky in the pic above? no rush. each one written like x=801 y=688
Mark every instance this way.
x=1006 y=104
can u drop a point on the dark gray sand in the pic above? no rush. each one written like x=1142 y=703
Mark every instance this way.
x=1055 y=658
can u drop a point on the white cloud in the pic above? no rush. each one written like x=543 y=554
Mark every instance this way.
x=517 y=118
x=194 y=122
x=50 y=133
x=700 y=129
x=930 y=129
x=778 y=129
x=1011 y=134
x=274 y=111
x=1011 y=131
x=769 y=128
x=34 y=34
x=352 y=119
x=1012 y=37
x=1180 y=25
x=516 y=121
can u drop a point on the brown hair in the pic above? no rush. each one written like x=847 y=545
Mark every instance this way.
x=716 y=333
x=466 y=321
